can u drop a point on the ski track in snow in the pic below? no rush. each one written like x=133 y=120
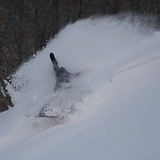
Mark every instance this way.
x=105 y=50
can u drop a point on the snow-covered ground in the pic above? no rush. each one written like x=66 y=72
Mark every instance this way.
x=111 y=112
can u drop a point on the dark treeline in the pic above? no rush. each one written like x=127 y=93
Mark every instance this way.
x=27 y=25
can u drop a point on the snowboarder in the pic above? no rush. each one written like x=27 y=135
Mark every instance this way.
x=62 y=75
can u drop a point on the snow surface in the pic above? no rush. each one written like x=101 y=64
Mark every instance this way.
x=111 y=112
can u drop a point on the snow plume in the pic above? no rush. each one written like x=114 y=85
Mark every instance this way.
x=113 y=105
x=96 y=47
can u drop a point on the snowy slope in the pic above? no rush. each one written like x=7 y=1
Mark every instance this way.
x=116 y=103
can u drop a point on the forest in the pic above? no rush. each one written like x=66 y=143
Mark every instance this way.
x=26 y=26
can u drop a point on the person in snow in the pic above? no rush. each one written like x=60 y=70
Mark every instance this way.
x=62 y=75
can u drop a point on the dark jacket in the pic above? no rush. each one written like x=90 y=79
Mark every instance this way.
x=62 y=75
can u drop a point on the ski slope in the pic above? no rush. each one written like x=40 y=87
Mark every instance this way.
x=111 y=111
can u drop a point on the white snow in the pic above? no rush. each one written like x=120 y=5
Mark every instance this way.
x=115 y=111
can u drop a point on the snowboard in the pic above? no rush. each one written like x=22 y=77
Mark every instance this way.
x=38 y=116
